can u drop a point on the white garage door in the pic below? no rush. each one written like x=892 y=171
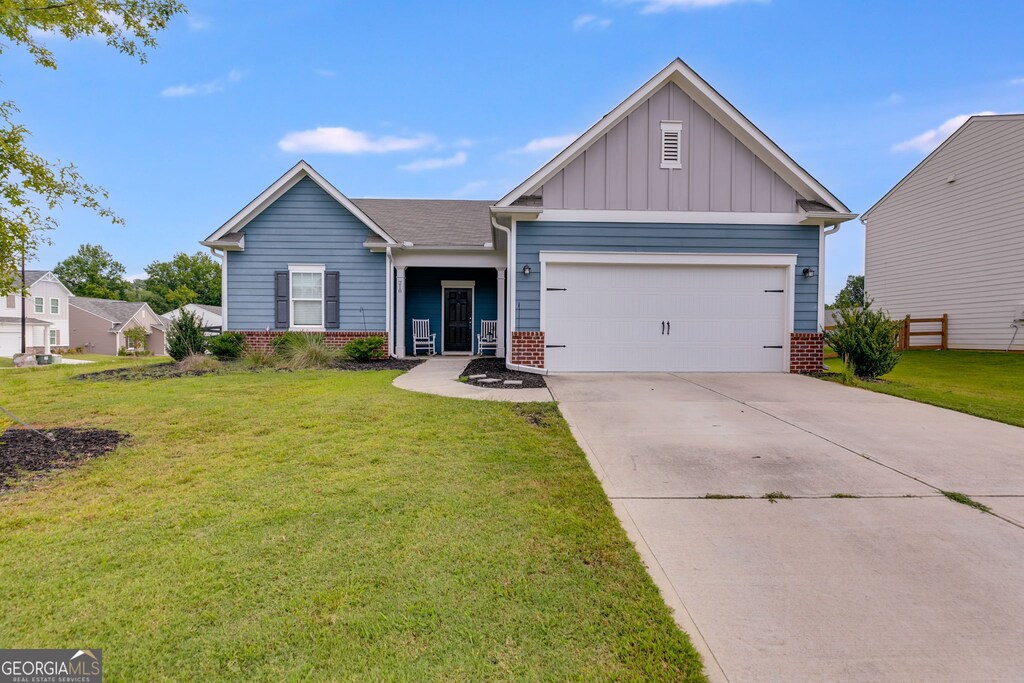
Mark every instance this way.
x=681 y=318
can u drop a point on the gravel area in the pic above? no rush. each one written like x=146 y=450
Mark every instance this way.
x=495 y=368
x=25 y=451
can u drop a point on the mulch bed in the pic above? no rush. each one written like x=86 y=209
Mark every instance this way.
x=385 y=364
x=171 y=370
x=495 y=368
x=25 y=450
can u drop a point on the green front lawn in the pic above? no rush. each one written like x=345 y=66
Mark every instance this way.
x=324 y=526
x=986 y=384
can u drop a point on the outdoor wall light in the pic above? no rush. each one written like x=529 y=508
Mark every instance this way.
x=808 y=272
x=526 y=270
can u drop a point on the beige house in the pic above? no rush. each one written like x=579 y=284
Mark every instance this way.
x=46 y=316
x=99 y=325
x=949 y=237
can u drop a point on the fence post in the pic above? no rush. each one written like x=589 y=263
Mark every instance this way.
x=945 y=331
x=905 y=341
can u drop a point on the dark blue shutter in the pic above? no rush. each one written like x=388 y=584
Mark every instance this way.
x=331 y=292
x=281 y=282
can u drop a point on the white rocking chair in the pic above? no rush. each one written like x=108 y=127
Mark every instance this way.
x=488 y=337
x=422 y=338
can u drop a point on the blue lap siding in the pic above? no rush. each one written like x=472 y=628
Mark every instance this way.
x=306 y=226
x=532 y=237
x=423 y=298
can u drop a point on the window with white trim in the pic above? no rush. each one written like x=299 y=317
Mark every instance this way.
x=39 y=304
x=54 y=337
x=671 y=144
x=55 y=306
x=307 y=296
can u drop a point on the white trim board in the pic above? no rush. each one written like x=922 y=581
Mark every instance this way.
x=277 y=189
x=720 y=109
x=459 y=284
x=698 y=217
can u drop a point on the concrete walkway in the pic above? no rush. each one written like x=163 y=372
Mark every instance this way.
x=892 y=582
x=439 y=375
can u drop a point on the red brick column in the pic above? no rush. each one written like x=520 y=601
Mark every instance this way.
x=262 y=340
x=528 y=349
x=806 y=352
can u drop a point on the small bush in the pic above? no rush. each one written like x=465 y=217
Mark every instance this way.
x=866 y=341
x=227 y=345
x=199 y=362
x=363 y=349
x=258 y=358
x=185 y=336
x=302 y=351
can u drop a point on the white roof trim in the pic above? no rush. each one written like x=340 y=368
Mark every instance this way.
x=721 y=109
x=993 y=118
x=283 y=184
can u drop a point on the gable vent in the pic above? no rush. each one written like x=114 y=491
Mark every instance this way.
x=671 y=143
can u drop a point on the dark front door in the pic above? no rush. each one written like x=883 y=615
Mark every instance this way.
x=458 y=319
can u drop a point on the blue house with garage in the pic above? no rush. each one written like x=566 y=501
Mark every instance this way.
x=673 y=235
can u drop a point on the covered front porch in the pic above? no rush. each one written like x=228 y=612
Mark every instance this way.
x=455 y=302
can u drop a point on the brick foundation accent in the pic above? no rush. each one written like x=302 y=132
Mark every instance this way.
x=262 y=340
x=806 y=352
x=528 y=349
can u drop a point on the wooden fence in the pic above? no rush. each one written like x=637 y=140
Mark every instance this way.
x=907 y=333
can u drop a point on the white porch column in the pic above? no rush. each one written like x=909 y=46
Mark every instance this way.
x=46 y=339
x=500 y=352
x=400 y=311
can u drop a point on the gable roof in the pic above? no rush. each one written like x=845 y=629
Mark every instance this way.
x=721 y=109
x=34 y=276
x=273 y=193
x=972 y=121
x=117 y=312
x=433 y=222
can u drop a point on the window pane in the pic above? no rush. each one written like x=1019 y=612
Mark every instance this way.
x=308 y=313
x=39 y=304
x=55 y=306
x=307 y=285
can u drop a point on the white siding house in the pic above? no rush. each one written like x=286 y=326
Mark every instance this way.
x=949 y=238
x=209 y=316
x=46 y=315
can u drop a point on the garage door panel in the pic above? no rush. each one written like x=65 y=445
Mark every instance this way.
x=609 y=317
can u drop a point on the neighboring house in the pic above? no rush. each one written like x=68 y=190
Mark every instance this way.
x=98 y=325
x=672 y=235
x=949 y=237
x=209 y=316
x=46 y=315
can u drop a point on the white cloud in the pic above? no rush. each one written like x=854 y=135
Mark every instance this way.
x=207 y=88
x=894 y=99
x=325 y=73
x=590 y=21
x=548 y=144
x=457 y=159
x=197 y=22
x=471 y=189
x=341 y=140
x=658 y=6
x=930 y=139
x=1016 y=81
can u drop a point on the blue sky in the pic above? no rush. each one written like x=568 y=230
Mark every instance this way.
x=457 y=99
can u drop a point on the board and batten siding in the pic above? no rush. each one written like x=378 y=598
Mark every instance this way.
x=935 y=247
x=305 y=226
x=622 y=169
x=533 y=237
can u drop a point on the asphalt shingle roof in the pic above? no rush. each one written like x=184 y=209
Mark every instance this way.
x=432 y=222
x=31 y=277
x=119 y=312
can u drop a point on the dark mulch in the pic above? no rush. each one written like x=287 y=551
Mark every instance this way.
x=385 y=364
x=495 y=368
x=25 y=450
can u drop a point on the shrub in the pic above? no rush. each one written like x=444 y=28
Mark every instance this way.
x=227 y=345
x=866 y=341
x=136 y=338
x=303 y=351
x=185 y=336
x=199 y=362
x=258 y=358
x=363 y=349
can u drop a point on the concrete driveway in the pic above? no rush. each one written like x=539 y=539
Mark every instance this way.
x=898 y=583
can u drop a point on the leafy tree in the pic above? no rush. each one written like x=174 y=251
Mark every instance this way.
x=92 y=271
x=185 y=337
x=31 y=186
x=185 y=279
x=136 y=338
x=866 y=340
x=852 y=293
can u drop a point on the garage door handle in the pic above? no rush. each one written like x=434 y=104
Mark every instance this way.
x=669 y=326
x=663 y=327
x=773 y=347
x=554 y=346
x=775 y=291
x=556 y=289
